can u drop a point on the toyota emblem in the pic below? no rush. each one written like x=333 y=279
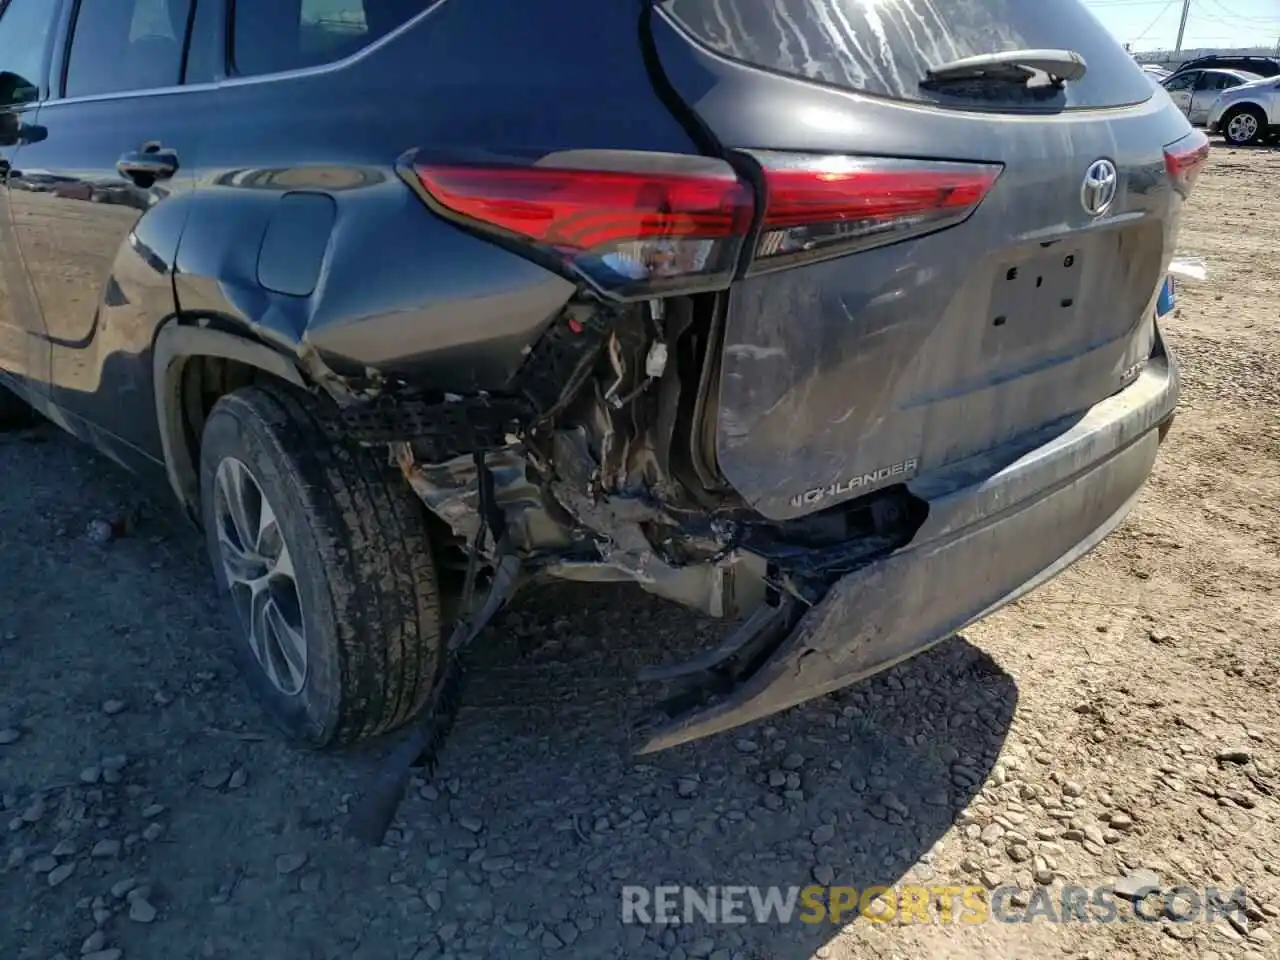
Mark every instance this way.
x=1099 y=188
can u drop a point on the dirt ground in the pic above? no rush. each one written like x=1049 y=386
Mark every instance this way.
x=1126 y=717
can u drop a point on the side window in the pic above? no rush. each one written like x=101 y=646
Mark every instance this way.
x=1208 y=81
x=121 y=45
x=269 y=36
x=1226 y=82
x=25 y=26
x=1183 y=82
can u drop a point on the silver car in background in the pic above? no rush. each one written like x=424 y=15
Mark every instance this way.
x=1249 y=113
x=1195 y=91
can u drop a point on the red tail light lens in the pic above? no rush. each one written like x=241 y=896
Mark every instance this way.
x=634 y=225
x=818 y=206
x=1186 y=159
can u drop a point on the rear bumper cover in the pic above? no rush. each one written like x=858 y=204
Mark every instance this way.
x=998 y=527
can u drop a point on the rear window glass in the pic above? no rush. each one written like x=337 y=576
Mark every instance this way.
x=884 y=47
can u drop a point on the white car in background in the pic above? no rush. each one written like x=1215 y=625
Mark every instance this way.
x=1248 y=114
x=1194 y=91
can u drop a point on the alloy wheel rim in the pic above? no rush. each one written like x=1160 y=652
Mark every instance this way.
x=260 y=576
x=1243 y=127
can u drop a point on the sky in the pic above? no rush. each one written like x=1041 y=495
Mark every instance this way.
x=1153 y=24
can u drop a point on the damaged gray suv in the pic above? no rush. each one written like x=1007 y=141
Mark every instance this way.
x=830 y=318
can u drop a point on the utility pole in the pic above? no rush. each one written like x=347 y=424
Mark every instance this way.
x=1182 y=26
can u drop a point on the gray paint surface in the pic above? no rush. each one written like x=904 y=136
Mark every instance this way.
x=919 y=354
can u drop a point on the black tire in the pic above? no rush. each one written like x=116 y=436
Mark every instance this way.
x=365 y=576
x=1260 y=130
x=15 y=413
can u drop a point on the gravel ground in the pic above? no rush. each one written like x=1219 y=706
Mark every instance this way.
x=1123 y=718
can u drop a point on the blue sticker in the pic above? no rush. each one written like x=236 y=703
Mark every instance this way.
x=1167 y=299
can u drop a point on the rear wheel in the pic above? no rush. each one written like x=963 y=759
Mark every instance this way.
x=1244 y=126
x=15 y=412
x=323 y=556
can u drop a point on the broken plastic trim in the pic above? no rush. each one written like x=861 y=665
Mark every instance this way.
x=758 y=623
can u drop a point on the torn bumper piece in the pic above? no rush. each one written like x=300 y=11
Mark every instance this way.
x=991 y=536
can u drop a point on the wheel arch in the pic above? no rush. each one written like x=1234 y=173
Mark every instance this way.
x=1245 y=106
x=177 y=345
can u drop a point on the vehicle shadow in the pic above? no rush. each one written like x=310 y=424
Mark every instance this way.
x=853 y=789
x=538 y=814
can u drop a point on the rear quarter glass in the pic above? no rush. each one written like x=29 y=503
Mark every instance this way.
x=885 y=47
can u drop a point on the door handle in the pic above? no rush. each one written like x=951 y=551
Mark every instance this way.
x=144 y=167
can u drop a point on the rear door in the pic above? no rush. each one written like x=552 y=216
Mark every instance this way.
x=880 y=345
x=1211 y=85
x=109 y=174
x=26 y=30
x=1182 y=88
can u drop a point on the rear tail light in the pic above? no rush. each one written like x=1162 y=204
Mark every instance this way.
x=634 y=225
x=639 y=225
x=1186 y=159
x=819 y=206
